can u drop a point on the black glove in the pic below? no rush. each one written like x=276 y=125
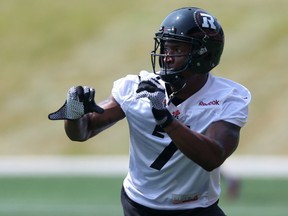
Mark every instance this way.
x=80 y=100
x=155 y=92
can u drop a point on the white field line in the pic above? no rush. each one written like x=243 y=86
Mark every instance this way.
x=240 y=166
x=63 y=165
x=256 y=166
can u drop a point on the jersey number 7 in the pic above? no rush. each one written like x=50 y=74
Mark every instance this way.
x=166 y=154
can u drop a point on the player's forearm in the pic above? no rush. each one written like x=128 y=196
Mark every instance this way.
x=92 y=124
x=195 y=146
x=77 y=130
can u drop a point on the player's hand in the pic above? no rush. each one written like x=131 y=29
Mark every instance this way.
x=155 y=92
x=80 y=100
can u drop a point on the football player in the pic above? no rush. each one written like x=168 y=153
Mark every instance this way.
x=184 y=121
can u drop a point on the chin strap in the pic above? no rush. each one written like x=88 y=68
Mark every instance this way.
x=179 y=85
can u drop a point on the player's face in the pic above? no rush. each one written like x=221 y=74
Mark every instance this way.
x=176 y=54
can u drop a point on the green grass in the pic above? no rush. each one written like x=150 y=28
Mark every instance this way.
x=258 y=197
x=74 y=196
x=60 y=196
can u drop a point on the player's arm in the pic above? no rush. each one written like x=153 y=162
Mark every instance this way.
x=210 y=149
x=83 y=117
x=93 y=123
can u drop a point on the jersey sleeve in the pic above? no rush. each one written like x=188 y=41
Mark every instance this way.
x=235 y=107
x=124 y=89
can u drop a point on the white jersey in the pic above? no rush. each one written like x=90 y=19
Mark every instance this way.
x=176 y=182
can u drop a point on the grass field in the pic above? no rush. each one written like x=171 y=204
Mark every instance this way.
x=100 y=196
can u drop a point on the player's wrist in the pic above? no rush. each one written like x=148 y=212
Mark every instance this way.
x=163 y=117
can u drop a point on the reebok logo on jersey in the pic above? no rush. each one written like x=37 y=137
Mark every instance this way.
x=213 y=103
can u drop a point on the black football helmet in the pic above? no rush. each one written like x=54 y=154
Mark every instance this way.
x=199 y=29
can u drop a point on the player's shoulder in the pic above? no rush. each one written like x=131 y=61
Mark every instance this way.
x=226 y=83
x=230 y=89
x=146 y=75
x=126 y=86
x=138 y=77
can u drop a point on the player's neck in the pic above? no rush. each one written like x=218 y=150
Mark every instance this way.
x=193 y=84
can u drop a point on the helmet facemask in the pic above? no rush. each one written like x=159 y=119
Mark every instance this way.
x=169 y=75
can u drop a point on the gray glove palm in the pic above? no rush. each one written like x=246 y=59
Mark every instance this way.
x=80 y=100
x=155 y=92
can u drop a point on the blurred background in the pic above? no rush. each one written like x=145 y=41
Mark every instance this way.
x=48 y=46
